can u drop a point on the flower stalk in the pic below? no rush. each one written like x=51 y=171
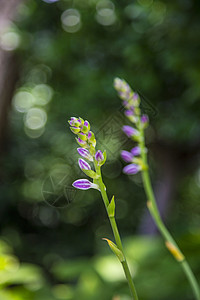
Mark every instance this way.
x=133 y=113
x=86 y=139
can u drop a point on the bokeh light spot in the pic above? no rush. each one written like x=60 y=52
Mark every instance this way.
x=71 y=20
x=105 y=13
x=43 y=94
x=10 y=41
x=35 y=118
x=23 y=101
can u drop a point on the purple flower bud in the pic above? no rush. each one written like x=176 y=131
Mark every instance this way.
x=131 y=169
x=126 y=156
x=81 y=121
x=89 y=135
x=85 y=153
x=136 y=151
x=84 y=184
x=75 y=129
x=125 y=103
x=128 y=113
x=144 y=119
x=83 y=164
x=81 y=142
x=129 y=131
x=135 y=97
x=99 y=156
x=74 y=122
x=86 y=127
x=82 y=136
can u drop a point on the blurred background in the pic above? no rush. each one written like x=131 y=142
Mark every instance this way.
x=58 y=59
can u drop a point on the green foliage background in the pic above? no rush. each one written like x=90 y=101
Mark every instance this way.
x=51 y=252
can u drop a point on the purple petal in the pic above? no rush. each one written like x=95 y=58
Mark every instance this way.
x=82 y=184
x=129 y=131
x=136 y=151
x=83 y=164
x=126 y=156
x=131 y=169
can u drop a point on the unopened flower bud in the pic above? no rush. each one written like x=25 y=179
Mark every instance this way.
x=83 y=164
x=126 y=156
x=86 y=127
x=91 y=138
x=81 y=142
x=99 y=156
x=144 y=121
x=75 y=129
x=131 y=169
x=85 y=153
x=74 y=122
x=136 y=99
x=84 y=184
x=82 y=136
x=130 y=131
x=81 y=121
x=128 y=113
x=136 y=151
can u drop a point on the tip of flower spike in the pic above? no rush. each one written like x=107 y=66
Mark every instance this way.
x=117 y=83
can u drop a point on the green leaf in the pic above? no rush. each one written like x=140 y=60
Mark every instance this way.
x=111 y=208
x=115 y=250
x=91 y=174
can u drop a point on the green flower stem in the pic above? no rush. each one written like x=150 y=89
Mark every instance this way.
x=116 y=234
x=152 y=206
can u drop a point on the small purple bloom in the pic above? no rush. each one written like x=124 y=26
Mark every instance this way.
x=83 y=164
x=84 y=184
x=99 y=156
x=126 y=156
x=131 y=169
x=136 y=151
x=128 y=113
x=144 y=119
x=129 y=131
x=85 y=153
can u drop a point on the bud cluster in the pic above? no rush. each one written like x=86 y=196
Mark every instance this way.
x=131 y=102
x=86 y=139
x=81 y=128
